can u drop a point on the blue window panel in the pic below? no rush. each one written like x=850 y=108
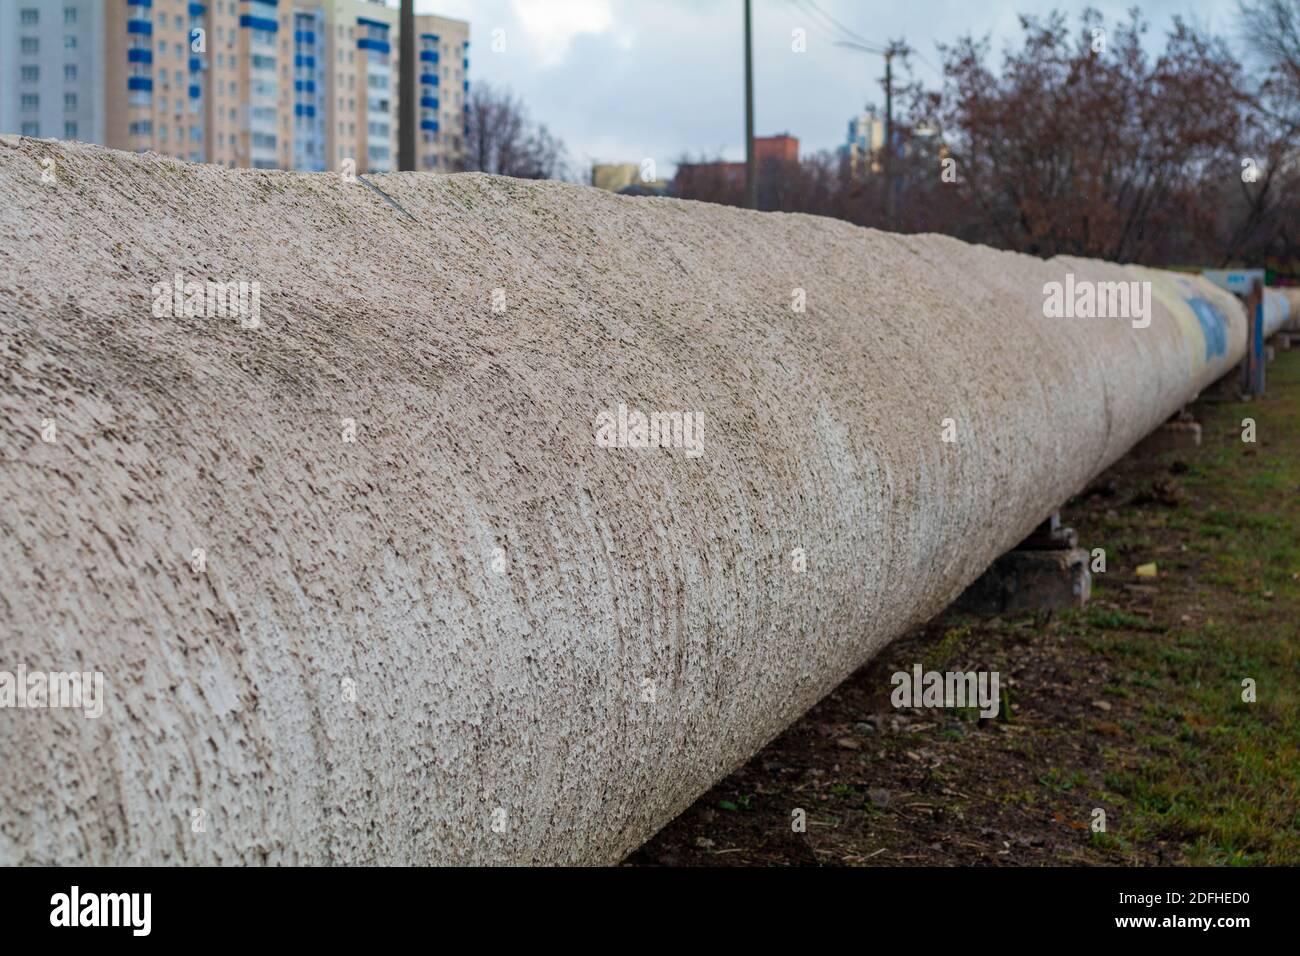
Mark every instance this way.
x=142 y=27
x=378 y=24
x=429 y=36
x=467 y=86
x=139 y=83
x=258 y=23
x=467 y=63
x=311 y=111
x=429 y=79
x=139 y=3
x=429 y=56
x=197 y=9
x=196 y=65
x=430 y=125
x=429 y=102
x=297 y=109
x=139 y=55
x=380 y=46
x=195 y=92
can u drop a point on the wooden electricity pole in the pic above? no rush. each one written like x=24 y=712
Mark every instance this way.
x=408 y=90
x=751 y=160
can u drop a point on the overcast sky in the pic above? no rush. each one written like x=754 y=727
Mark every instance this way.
x=625 y=80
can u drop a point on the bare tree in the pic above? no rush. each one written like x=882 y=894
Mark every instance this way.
x=502 y=140
x=1271 y=32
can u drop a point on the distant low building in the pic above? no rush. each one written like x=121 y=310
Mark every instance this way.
x=625 y=177
x=710 y=178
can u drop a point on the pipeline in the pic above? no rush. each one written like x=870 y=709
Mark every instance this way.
x=371 y=558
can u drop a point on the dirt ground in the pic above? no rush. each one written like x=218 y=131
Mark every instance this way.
x=1132 y=705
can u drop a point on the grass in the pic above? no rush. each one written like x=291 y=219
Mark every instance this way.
x=1222 y=778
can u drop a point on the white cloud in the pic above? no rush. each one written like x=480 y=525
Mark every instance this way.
x=553 y=24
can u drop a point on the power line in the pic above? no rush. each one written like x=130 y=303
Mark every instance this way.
x=841 y=27
x=833 y=30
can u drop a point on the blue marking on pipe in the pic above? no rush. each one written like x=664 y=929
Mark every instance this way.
x=1214 y=326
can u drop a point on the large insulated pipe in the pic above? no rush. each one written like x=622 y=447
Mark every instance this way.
x=1282 y=309
x=1277 y=312
x=372 y=564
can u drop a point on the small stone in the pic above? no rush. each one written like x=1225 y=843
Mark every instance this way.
x=848 y=743
x=704 y=843
x=879 y=797
x=10 y=140
x=1101 y=704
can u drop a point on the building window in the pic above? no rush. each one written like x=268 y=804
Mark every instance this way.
x=70 y=130
x=29 y=16
x=31 y=74
x=69 y=101
x=70 y=72
x=31 y=102
x=31 y=129
x=31 y=45
x=70 y=41
x=70 y=16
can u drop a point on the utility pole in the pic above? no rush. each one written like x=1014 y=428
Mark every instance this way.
x=889 y=137
x=408 y=90
x=751 y=160
x=894 y=49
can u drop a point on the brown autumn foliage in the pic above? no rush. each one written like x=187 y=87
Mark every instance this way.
x=1081 y=143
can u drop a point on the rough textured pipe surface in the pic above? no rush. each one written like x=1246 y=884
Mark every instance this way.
x=472 y=633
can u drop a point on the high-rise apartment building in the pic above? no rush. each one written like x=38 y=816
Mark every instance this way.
x=865 y=142
x=290 y=84
x=311 y=104
x=52 y=68
x=204 y=81
x=443 y=74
